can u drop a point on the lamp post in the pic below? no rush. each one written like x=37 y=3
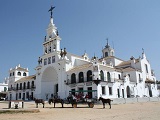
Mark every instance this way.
x=97 y=81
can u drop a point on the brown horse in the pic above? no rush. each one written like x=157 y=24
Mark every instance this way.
x=37 y=101
x=105 y=101
x=56 y=100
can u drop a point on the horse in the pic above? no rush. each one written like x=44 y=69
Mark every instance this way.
x=56 y=100
x=105 y=101
x=37 y=101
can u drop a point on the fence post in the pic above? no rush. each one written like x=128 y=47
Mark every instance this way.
x=9 y=104
x=22 y=104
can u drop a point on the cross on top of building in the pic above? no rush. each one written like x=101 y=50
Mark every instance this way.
x=107 y=46
x=50 y=10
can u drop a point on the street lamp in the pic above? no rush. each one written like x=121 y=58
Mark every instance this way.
x=97 y=81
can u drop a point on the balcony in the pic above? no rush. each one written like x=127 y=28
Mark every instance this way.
x=112 y=80
x=67 y=82
x=24 y=89
x=33 y=87
x=11 y=89
x=85 y=82
x=78 y=83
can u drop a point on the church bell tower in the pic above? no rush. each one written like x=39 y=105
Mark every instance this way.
x=108 y=51
x=52 y=40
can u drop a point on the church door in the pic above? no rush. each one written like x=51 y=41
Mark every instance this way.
x=150 y=91
x=23 y=96
x=90 y=93
x=123 y=93
x=56 y=88
x=118 y=93
x=128 y=92
x=16 y=96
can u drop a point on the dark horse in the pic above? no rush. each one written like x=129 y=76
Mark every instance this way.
x=37 y=101
x=56 y=100
x=105 y=101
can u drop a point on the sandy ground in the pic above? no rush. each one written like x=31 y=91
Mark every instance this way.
x=136 y=111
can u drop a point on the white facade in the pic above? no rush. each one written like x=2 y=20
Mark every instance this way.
x=21 y=85
x=59 y=72
x=3 y=87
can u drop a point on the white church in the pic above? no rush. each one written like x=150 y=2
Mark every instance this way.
x=60 y=72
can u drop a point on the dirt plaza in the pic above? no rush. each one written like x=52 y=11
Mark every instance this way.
x=134 y=111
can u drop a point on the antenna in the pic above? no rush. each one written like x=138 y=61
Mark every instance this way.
x=142 y=50
x=107 y=40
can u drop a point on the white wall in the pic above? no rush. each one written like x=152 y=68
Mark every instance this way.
x=2 y=85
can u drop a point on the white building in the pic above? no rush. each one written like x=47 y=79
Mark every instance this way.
x=21 y=85
x=59 y=72
x=3 y=89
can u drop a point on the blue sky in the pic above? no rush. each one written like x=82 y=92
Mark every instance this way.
x=83 y=25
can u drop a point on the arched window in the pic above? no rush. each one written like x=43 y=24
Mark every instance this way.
x=81 y=77
x=32 y=84
x=73 y=78
x=101 y=75
x=106 y=54
x=5 y=89
x=45 y=49
x=19 y=73
x=146 y=68
x=28 y=85
x=24 y=85
x=108 y=77
x=17 y=87
x=24 y=74
x=128 y=92
x=119 y=76
x=20 y=86
x=89 y=75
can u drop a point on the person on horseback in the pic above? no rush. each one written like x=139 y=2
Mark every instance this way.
x=56 y=95
x=69 y=97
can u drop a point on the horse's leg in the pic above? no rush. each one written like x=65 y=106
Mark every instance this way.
x=36 y=105
x=109 y=104
x=62 y=104
x=43 y=105
x=54 y=104
x=68 y=100
x=103 y=105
